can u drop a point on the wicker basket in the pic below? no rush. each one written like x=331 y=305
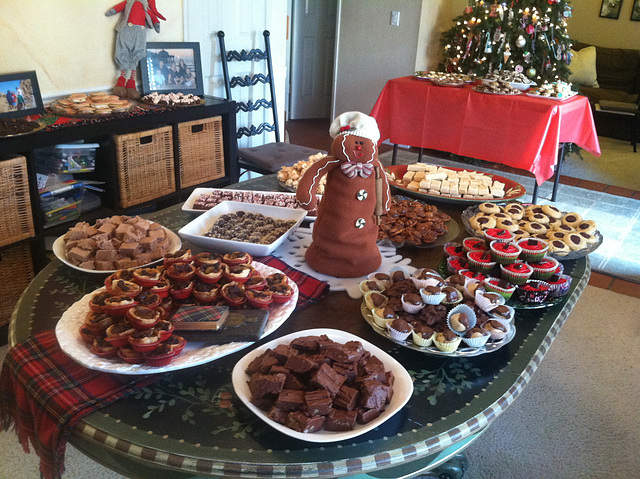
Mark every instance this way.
x=16 y=220
x=16 y=264
x=201 y=151
x=145 y=165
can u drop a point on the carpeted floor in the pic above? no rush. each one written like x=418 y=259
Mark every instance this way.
x=618 y=218
x=577 y=418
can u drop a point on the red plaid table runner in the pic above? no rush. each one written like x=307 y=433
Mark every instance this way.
x=44 y=393
x=310 y=289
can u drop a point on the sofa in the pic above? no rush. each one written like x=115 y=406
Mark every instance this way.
x=617 y=74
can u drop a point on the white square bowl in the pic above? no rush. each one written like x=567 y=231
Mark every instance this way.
x=194 y=232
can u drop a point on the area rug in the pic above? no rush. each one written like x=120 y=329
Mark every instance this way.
x=618 y=218
x=564 y=424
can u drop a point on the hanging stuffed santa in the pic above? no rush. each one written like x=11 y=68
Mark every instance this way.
x=131 y=40
x=356 y=194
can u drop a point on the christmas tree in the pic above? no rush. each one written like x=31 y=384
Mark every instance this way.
x=526 y=36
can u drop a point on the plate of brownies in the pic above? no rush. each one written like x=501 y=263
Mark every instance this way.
x=306 y=385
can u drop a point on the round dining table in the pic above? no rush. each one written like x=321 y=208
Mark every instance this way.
x=191 y=423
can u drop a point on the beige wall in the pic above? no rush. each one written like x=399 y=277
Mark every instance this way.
x=586 y=25
x=70 y=43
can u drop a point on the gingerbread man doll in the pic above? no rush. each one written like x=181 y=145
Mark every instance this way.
x=131 y=40
x=356 y=194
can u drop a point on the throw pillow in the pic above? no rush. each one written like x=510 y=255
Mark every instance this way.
x=583 y=67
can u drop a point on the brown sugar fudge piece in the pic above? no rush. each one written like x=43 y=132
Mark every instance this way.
x=328 y=379
x=290 y=400
x=263 y=384
x=300 y=422
x=347 y=398
x=317 y=403
x=340 y=420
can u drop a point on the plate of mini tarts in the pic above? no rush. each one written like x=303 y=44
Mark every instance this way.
x=238 y=272
x=118 y=334
x=259 y=299
x=205 y=292
x=98 y=323
x=234 y=293
x=144 y=340
x=142 y=317
x=147 y=277
x=210 y=273
x=237 y=257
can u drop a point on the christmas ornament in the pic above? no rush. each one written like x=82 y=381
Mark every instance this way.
x=501 y=12
x=469 y=9
x=507 y=53
x=518 y=69
x=488 y=47
x=531 y=72
x=530 y=29
x=494 y=10
x=520 y=42
x=497 y=34
x=527 y=57
x=551 y=2
x=568 y=11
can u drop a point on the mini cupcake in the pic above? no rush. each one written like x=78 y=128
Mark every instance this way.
x=504 y=313
x=533 y=249
x=432 y=295
x=453 y=249
x=500 y=286
x=545 y=268
x=382 y=315
x=533 y=291
x=504 y=253
x=422 y=335
x=559 y=285
x=447 y=341
x=461 y=319
x=474 y=244
x=496 y=328
x=399 y=329
x=411 y=303
x=480 y=261
x=476 y=337
x=451 y=296
x=516 y=273
x=374 y=300
x=498 y=234
x=487 y=301
x=455 y=264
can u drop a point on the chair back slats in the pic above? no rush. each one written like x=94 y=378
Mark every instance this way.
x=247 y=81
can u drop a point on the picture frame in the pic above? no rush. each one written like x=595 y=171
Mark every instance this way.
x=610 y=9
x=635 y=11
x=172 y=67
x=20 y=95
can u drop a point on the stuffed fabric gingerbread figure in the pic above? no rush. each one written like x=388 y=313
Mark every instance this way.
x=355 y=195
x=131 y=40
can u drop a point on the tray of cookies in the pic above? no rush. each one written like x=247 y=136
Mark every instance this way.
x=452 y=185
x=569 y=235
x=91 y=105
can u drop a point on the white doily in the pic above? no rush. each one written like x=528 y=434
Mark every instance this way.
x=293 y=249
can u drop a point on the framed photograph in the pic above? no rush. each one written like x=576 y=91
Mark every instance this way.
x=610 y=9
x=20 y=95
x=635 y=11
x=172 y=67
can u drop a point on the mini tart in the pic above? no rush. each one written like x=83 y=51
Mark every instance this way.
x=498 y=234
x=147 y=277
x=255 y=281
x=205 y=292
x=259 y=299
x=476 y=337
x=238 y=272
x=181 y=289
x=281 y=292
x=88 y=336
x=118 y=334
x=399 y=329
x=123 y=287
x=496 y=328
x=382 y=315
x=480 y=261
x=180 y=271
x=165 y=328
x=210 y=273
x=126 y=274
x=176 y=342
x=382 y=278
x=454 y=249
x=411 y=303
x=502 y=287
x=142 y=317
x=237 y=257
x=516 y=273
x=148 y=299
x=144 y=340
x=533 y=249
x=422 y=335
x=96 y=303
x=446 y=341
x=572 y=220
x=279 y=278
x=180 y=256
x=161 y=288
x=130 y=355
x=103 y=348
x=233 y=293
x=504 y=253
x=118 y=305
x=474 y=244
x=544 y=268
x=473 y=275
x=373 y=300
x=160 y=356
x=207 y=258
x=533 y=291
x=98 y=322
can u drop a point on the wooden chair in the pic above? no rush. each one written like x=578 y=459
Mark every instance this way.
x=270 y=157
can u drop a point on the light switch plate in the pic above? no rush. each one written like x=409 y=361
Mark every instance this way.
x=395 y=18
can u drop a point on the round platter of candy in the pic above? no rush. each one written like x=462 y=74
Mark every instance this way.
x=172 y=99
x=497 y=87
x=440 y=315
x=515 y=79
x=568 y=234
x=129 y=325
x=410 y=222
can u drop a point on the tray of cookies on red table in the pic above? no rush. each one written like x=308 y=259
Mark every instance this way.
x=568 y=234
x=437 y=314
x=137 y=322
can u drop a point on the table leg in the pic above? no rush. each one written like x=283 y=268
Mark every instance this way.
x=534 y=195
x=420 y=156
x=395 y=154
x=558 y=168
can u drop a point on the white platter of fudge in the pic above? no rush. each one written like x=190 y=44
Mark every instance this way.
x=117 y=242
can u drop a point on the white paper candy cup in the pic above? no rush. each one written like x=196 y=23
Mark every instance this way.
x=462 y=308
x=485 y=304
x=431 y=298
x=395 y=334
x=420 y=341
x=498 y=335
x=411 y=308
x=477 y=342
x=508 y=320
x=447 y=347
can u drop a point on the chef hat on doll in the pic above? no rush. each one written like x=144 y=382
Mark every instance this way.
x=355 y=123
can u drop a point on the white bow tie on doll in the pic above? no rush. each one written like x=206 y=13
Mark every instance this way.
x=353 y=169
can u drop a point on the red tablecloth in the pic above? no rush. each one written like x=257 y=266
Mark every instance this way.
x=518 y=131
